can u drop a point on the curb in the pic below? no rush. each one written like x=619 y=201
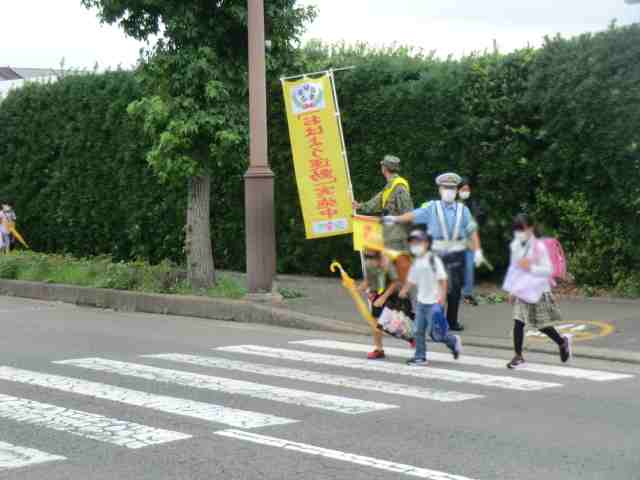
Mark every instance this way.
x=186 y=306
x=243 y=311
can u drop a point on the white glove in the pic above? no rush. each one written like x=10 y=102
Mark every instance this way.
x=389 y=220
x=479 y=258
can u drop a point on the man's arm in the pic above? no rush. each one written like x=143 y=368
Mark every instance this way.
x=475 y=240
x=372 y=206
x=404 y=292
x=387 y=294
x=472 y=231
x=408 y=217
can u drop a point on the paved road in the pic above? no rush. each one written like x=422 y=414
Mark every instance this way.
x=88 y=394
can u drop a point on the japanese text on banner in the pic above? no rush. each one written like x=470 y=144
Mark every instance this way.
x=320 y=166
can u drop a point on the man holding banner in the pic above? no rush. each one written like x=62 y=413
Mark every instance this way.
x=394 y=200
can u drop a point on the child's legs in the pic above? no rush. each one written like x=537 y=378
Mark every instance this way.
x=376 y=312
x=450 y=341
x=518 y=336
x=377 y=340
x=553 y=334
x=469 y=273
x=422 y=324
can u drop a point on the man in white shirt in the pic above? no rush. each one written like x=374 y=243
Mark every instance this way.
x=429 y=277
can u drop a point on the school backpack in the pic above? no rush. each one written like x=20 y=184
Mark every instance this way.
x=557 y=257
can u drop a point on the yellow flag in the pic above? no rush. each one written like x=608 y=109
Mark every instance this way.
x=367 y=233
x=319 y=162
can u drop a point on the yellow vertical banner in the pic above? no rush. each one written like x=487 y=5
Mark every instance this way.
x=320 y=165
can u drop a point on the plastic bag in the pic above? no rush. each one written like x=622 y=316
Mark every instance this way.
x=439 y=324
x=397 y=320
x=525 y=285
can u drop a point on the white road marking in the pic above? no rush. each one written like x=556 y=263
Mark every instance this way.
x=510 y=383
x=370 y=462
x=13 y=456
x=177 y=406
x=84 y=424
x=557 y=370
x=317 y=377
x=230 y=386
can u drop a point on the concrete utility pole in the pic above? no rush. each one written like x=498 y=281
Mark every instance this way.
x=259 y=179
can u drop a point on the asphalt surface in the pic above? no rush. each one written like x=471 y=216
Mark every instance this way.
x=109 y=419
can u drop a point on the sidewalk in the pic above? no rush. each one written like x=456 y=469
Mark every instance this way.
x=594 y=324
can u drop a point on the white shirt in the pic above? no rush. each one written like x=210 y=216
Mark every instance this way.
x=536 y=251
x=426 y=279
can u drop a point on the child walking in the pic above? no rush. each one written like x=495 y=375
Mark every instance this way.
x=381 y=284
x=429 y=276
x=530 y=254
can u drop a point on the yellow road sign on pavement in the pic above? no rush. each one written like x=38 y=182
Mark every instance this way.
x=580 y=330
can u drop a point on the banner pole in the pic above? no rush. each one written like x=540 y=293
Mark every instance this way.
x=323 y=72
x=344 y=153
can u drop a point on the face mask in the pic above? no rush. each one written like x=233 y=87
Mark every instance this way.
x=448 y=196
x=465 y=195
x=418 y=250
x=520 y=236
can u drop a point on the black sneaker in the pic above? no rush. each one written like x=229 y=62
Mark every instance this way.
x=516 y=363
x=457 y=328
x=566 y=349
x=457 y=348
x=417 y=362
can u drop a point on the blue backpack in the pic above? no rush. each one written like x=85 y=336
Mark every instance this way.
x=439 y=324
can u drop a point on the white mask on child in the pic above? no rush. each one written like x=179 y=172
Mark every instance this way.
x=520 y=236
x=448 y=195
x=465 y=195
x=418 y=250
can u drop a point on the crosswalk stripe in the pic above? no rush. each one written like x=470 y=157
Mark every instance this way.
x=317 y=377
x=230 y=386
x=560 y=371
x=370 y=462
x=84 y=424
x=177 y=406
x=510 y=383
x=14 y=456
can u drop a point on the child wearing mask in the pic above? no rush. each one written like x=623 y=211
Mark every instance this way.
x=381 y=284
x=531 y=255
x=429 y=277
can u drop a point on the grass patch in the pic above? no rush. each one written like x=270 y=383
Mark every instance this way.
x=102 y=272
x=290 y=293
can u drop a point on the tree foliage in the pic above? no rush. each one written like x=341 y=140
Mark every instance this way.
x=196 y=95
x=553 y=131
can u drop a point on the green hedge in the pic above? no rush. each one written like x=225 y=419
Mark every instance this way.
x=553 y=131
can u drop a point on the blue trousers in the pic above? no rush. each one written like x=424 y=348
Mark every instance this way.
x=423 y=325
x=469 y=273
